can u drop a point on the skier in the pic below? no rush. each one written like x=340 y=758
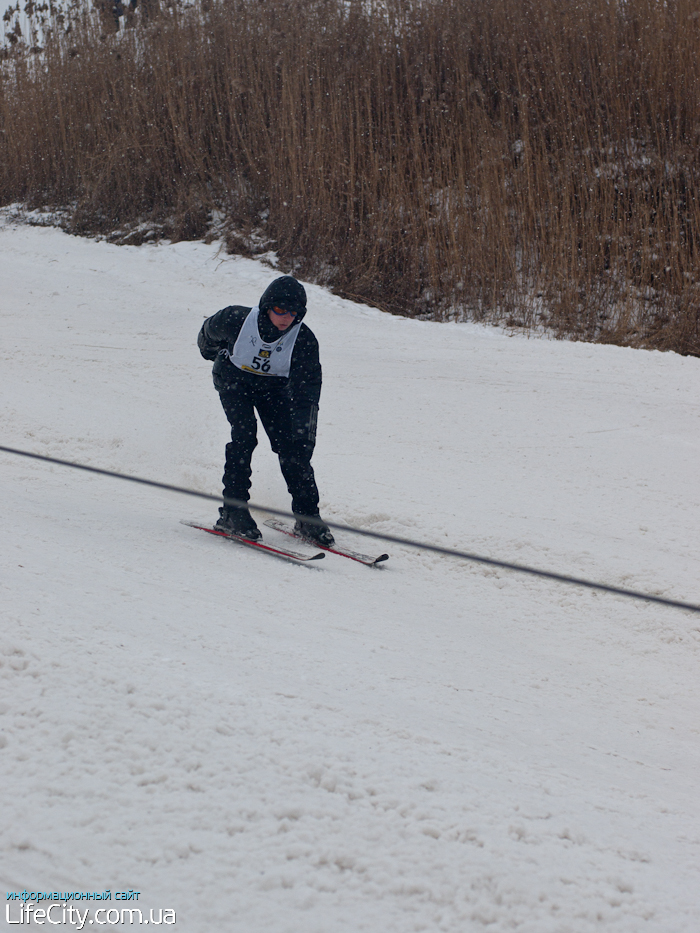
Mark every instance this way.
x=266 y=360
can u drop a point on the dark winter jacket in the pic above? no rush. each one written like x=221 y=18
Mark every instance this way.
x=220 y=331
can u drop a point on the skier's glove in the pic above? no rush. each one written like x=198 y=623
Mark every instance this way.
x=304 y=425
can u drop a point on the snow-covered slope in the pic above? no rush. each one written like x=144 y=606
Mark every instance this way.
x=261 y=746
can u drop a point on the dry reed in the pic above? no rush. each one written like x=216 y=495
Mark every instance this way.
x=534 y=162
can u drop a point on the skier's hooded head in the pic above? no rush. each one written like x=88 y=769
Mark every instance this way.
x=285 y=293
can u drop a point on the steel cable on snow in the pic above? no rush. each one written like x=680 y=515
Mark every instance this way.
x=380 y=535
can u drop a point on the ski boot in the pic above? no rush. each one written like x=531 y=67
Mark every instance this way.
x=238 y=521
x=316 y=532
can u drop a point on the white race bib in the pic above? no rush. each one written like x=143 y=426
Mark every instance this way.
x=253 y=355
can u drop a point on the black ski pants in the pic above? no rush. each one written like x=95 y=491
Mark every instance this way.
x=294 y=448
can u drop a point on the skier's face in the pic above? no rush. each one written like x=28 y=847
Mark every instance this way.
x=280 y=318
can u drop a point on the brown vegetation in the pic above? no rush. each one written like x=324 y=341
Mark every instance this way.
x=529 y=161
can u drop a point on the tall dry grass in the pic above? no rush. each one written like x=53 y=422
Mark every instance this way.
x=529 y=161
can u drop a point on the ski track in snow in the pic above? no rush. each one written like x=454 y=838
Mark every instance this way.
x=260 y=746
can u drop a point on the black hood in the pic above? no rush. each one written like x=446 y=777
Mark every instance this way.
x=286 y=293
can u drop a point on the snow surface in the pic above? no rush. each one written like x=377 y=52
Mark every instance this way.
x=271 y=747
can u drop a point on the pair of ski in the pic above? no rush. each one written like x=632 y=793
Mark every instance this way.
x=288 y=529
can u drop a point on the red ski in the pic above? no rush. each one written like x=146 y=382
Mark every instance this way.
x=288 y=529
x=259 y=545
